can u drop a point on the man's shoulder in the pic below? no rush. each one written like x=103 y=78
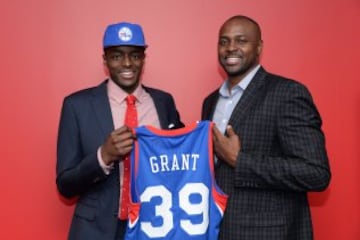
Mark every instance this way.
x=86 y=93
x=156 y=92
x=282 y=81
x=280 y=85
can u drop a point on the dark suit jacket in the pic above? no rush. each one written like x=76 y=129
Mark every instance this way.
x=85 y=123
x=282 y=157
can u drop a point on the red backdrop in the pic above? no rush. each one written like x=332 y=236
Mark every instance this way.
x=52 y=48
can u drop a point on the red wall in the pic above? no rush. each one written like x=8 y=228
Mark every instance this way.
x=51 y=48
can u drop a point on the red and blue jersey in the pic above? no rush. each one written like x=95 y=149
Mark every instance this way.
x=173 y=190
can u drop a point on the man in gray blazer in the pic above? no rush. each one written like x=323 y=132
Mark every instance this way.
x=269 y=146
x=93 y=139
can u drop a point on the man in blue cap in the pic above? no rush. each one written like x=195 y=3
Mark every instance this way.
x=93 y=140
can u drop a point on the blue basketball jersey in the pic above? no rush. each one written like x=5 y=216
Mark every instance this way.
x=173 y=189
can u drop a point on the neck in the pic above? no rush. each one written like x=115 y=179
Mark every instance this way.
x=235 y=79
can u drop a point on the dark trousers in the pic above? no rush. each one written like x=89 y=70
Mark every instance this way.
x=121 y=228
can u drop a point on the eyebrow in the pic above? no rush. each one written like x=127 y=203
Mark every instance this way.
x=236 y=36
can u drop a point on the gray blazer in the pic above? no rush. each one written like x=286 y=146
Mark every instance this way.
x=282 y=157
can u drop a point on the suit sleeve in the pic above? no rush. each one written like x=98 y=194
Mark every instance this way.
x=300 y=162
x=76 y=171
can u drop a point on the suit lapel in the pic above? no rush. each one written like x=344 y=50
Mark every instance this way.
x=249 y=98
x=160 y=108
x=209 y=107
x=101 y=107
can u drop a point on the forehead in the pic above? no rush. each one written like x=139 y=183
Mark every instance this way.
x=238 y=27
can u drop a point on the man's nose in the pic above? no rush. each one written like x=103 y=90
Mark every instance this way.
x=126 y=60
x=232 y=45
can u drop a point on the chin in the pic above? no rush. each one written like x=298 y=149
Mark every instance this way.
x=233 y=72
x=127 y=82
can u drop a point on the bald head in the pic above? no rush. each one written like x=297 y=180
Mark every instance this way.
x=245 y=20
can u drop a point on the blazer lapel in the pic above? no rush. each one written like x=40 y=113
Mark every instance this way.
x=209 y=107
x=101 y=107
x=249 y=97
x=160 y=108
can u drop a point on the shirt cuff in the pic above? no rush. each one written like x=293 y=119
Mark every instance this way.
x=105 y=168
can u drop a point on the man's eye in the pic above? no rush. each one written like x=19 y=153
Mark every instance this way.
x=241 y=42
x=135 y=56
x=116 y=57
x=223 y=42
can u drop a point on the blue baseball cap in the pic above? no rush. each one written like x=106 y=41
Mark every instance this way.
x=124 y=34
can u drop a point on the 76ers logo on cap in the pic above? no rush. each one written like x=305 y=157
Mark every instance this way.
x=125 y=34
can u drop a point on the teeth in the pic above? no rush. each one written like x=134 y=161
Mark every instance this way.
x=127 y=74
x=232 y=60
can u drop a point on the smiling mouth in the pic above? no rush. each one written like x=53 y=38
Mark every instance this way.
x=127 y=75
x=232 y=60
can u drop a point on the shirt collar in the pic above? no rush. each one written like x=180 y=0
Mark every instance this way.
x=241 y=86
x=117 y=94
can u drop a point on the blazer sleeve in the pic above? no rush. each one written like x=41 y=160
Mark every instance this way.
x=299 y=161
x=77 y=169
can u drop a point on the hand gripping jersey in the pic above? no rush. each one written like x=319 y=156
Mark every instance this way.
x=173 y=190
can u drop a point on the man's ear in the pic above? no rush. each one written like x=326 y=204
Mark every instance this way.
x=259 y=47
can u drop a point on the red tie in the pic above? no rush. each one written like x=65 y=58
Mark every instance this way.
x=130 y=121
